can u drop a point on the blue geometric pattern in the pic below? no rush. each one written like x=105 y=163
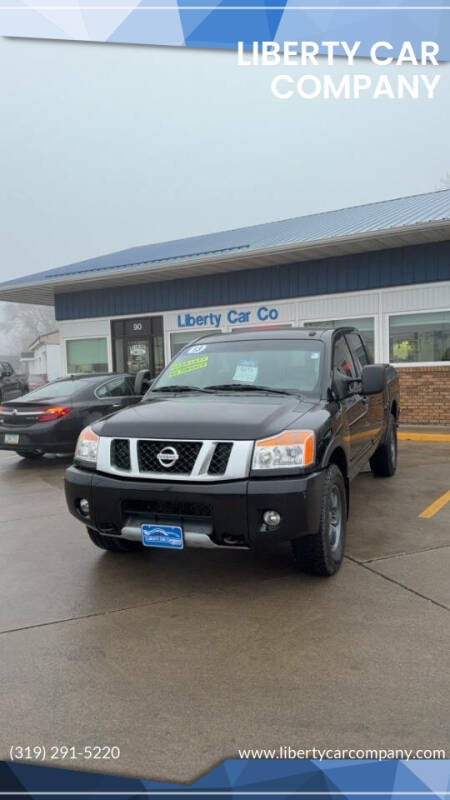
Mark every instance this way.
x=221 y=24
x=306 y=779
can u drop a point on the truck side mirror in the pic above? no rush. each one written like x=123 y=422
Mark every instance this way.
x=344 y=385
x=373 y=379
x=142 y=381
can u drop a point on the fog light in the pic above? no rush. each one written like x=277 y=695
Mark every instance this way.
x=272 y=518
x=83 y=506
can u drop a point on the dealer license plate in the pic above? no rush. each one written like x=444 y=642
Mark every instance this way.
x=11 y=438
x=168 y=536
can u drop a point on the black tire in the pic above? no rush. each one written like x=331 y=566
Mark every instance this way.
x=384 y=460
x=322 y=553
x=30 y=453
x=111 y=543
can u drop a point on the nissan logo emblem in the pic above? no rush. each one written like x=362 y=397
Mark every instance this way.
x=167 y=457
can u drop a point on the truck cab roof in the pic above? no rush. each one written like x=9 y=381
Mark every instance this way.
x=323 y=334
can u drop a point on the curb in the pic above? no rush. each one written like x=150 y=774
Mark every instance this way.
x=412 y=436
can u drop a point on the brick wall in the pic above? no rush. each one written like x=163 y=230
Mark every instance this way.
x=425 y=395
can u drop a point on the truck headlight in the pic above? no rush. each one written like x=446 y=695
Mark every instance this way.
x=287 y=449
x=87 y=446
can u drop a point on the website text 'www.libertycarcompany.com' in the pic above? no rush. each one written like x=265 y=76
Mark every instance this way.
x=353 y=754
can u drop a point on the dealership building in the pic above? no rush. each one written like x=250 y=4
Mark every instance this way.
x=382 y=267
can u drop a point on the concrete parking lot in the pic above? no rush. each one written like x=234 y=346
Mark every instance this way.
x=182 y=658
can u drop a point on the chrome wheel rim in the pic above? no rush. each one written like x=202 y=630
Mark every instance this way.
x=335 y=519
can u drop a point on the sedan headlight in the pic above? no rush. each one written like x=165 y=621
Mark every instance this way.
x=287 y=449
x=87 y=446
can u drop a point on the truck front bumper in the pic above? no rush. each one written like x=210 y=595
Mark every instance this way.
x=226 y=513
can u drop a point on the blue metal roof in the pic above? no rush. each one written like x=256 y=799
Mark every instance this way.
x=373 y=218
x=423 y=263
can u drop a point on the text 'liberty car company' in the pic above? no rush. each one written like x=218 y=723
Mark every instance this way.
x=352 y=85
x=233 y=316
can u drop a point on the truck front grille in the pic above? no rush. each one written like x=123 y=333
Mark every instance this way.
x=155 y=456
x=169 y=508
x=219 y=461
x=120 y=453
x=175 y=459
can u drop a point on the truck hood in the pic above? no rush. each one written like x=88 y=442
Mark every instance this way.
x=206 y=416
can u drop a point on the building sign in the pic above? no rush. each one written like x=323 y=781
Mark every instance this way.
x=137 y=327
x=137 y=349
x=234 y=316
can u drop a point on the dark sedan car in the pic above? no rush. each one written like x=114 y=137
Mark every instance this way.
x=49 y=419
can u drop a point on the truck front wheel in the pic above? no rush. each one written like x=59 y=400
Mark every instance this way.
x=384 y=460
x=112 y=543
x=322 y=553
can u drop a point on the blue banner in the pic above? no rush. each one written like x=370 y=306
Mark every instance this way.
x=223 y=23
x=242 y=778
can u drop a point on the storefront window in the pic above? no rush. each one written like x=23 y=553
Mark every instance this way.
x=365 y=325
x=87 y=355
x=419 y=337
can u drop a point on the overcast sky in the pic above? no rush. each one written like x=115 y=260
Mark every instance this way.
x=109 y=146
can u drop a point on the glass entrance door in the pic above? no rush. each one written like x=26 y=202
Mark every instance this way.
x=138 y=344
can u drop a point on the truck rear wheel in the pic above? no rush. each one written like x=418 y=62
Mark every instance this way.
x=384 y=460
x=112 y=543
x=322 y=553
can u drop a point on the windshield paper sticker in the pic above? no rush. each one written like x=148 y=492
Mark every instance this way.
x=191 y=365
x=246 y=372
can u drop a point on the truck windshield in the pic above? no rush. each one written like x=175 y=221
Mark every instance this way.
x=290 y=365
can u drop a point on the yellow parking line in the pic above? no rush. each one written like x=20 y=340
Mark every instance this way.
x=436 y=506
x=423 y=437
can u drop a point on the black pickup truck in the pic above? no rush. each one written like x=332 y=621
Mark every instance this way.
x=11 y=384
x=242 y=440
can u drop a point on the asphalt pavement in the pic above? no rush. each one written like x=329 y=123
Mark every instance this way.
x=181 y=658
